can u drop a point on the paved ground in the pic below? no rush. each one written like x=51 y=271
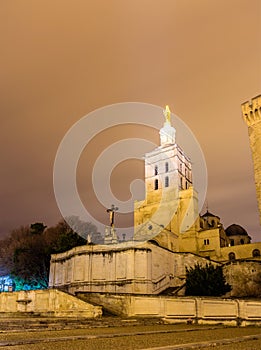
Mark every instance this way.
x=116 y=333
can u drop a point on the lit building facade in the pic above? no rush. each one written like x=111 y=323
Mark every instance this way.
x=169 y=235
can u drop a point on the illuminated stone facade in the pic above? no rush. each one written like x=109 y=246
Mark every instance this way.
x=171 y=205
x=136 y=268
x=252 y=115
x=171 y=200
x=169 y=235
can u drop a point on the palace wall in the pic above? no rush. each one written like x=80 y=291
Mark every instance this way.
x=252 y=115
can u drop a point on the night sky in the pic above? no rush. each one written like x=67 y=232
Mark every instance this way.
x=62 y=59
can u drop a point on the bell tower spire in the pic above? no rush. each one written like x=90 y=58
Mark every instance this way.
x=167 y=133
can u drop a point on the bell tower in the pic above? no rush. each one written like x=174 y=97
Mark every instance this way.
x=251 y=111
x=170 y=205
x=167 y=168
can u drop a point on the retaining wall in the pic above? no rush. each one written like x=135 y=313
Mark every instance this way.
x=197 y=310
x=46 y=303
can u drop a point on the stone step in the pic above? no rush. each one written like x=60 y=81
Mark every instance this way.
x=54 y=323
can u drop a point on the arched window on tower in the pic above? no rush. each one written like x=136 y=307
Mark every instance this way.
x=231 y=256
x=156 y=170
x=256 y=253
x=213 y=223
x=166 y=167
x=166 y=181
x=156 y=184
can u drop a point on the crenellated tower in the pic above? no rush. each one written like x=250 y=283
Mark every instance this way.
x=251 y=111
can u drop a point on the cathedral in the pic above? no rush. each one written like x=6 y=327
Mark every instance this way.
x=169 y=234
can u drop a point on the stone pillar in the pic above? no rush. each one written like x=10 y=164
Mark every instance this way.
x=251 y=111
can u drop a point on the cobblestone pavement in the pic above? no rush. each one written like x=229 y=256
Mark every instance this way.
x=116 y=333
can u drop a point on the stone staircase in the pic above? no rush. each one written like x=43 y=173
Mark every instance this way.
x=174 y=291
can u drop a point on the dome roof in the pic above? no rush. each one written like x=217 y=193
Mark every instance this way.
x=235 y=230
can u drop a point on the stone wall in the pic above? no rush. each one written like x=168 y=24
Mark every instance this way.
x=244 y=277
x=199 y=310
x=46 y=303
x=243 y=251
x=142 y=268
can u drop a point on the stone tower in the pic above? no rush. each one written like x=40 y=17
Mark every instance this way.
x=251 y=111
x=170 y=206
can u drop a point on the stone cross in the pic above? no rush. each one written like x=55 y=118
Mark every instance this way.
x=112 y=211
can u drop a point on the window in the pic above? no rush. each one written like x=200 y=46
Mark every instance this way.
x=180 y=167
x=242 y=241
x=187 y=185
x=256 y=253
x=156 y=184
x=181 y=183
x=156 y=170
x=166 y=181
x=166 y=167
x=206 y=241
x=231 y=256
x=232 y=242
